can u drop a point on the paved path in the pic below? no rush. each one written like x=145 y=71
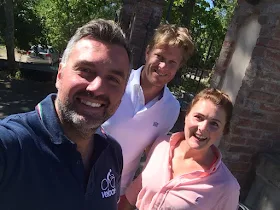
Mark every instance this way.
x=22 y=95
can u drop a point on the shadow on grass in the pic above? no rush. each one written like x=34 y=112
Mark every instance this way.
x=18 y=96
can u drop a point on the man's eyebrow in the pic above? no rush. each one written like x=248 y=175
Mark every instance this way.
x=91 y=65
x=84 y=63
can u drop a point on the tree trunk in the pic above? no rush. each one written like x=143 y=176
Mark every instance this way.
x=9 y=35
x=169 y=10
x=187 y=10
x=125 y=18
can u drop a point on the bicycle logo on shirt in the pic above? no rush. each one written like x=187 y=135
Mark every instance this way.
x=108 y=185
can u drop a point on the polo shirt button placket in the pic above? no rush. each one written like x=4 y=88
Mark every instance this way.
x=77 y=168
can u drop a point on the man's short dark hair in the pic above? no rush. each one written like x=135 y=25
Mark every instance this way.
x=103 y=30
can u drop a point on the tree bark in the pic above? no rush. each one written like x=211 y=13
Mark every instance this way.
x=125 y=18
x=9 y=35
x=187 y=10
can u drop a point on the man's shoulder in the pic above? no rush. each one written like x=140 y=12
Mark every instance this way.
x=134 y=76
x=18 y=119
x=113 y=152
x=16 y=137
x=170 y=100
x=112 y=143
x=16 y=126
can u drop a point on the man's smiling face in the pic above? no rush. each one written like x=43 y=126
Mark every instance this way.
x=162 y=63
x=91 y=83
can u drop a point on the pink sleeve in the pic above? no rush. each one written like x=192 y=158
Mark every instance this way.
x=156 y=142
x=229 y=202
x=135 y=187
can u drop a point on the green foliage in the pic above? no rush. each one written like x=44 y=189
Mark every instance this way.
x=18 y=75
x=28 y=28
x=188 y=81
x=62 y=17
x=1 y=39
x=208 y=26
x=53 y=22
x=11 y=75
x=209 y=20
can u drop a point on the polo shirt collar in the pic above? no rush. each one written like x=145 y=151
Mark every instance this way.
x=49 y=118
x=176 y=137
x=136 y=81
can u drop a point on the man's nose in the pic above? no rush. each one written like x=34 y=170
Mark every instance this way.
x=96 y=86
x=162 y=65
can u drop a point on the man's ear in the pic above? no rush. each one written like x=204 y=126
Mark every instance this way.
x=59 y=75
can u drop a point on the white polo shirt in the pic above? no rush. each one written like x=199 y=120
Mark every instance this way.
x=136 y=125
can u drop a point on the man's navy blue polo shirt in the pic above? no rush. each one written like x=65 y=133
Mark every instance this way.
x=40 y=169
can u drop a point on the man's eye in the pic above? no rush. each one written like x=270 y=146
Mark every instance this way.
x=85 y=70
x=159 y=57
x=114 y=79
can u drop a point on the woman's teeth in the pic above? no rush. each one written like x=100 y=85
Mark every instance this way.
x=200 y=138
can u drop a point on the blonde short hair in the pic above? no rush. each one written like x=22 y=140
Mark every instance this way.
x=173 y=35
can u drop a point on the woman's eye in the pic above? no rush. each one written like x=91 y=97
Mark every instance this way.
x=214 y=124
x=197 y=117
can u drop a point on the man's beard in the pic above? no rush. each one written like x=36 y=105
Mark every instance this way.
x=86 y=125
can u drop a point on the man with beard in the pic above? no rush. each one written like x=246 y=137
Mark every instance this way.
x=50 y=158
x=148 y=109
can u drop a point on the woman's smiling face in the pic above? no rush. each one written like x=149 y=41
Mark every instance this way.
x=204 y=124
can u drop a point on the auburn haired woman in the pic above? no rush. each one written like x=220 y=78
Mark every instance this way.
x=185 y=171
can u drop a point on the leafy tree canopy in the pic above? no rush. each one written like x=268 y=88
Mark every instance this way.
x=53 y=22
x=62 y=17
x=208 y=21
x=28 y=28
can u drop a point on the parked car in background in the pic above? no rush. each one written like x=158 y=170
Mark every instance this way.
x=42 y=54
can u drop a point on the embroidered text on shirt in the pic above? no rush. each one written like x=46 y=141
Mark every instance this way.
x=108 y=185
